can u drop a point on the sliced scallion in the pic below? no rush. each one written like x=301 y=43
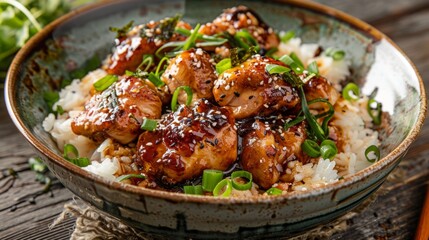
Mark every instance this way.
x=290 y=62
x=374 y=111
x=274 y=191
x=311 y=148
x=245 y=39
x=105 y=82
x=189 y=93
x=296 y=59
x=193 y=190
x=153 y=78
x=71 y=154
x=149 y=124
x=328 y=149
x=293 y=122
x=211 y=178
x=313 y=68
x=223 y=188
x=336 y=54
x=128 y=176
x=146 y=62
x=351 y=92
x=274 y=68
x=287 y=36
x=223 y=65
x=372 y=153
x=190 y=41
x=238 y=176
x=314 y=125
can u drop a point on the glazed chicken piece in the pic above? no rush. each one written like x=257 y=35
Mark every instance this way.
x=250 y=91
x=141 y=40
x=267 y=148
x=188 y=141
x=241 y=17
x=117 y=111
x=319 y=87
x=191 y=68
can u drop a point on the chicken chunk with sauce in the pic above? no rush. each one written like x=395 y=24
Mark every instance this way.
x=141 y=40
x=241 y=17
x=191 y=68
x=188 y=141
x=267 y=148
x=251 y=91
x=118 y=111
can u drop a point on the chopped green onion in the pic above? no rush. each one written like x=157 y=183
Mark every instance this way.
x=326 y=115
x=223 y=188
x=147 y=61
x=271 y=51
x=293 y=122
x=315 y=127
x=374 y=111
x=328 y=149
x=70 y=149
x=223 y=65
x=105 y=82
x=153 y=78
x=37 y=165
x=274 y=68
x=188 y=91
x=128 y=176
x=193 y=190
x=274 y=191
x=149 y=124
x=287 y=36
x=375 y=152
x=313 y=68
x=51 y=98
x=211 y=178
x=190 y=41
x=296 y=59
x=290 y=62
x=71 y=154
x=335 y=53
x=351 y=92
x=308 y=77
x=175 y=45
x=311 y=148
x=240 y=175
x=245 y=39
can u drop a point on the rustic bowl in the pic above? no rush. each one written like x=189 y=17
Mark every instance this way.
x=69 y=42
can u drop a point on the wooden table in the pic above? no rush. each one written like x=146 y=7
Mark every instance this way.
x=26 y=212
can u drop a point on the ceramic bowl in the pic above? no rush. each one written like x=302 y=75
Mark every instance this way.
x=65 y=45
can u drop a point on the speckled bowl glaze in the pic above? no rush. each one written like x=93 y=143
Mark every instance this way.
x=67 y=43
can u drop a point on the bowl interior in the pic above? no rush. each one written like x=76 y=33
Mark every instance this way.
x=72 y=43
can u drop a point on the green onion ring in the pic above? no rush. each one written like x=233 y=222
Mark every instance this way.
x=226 y=186
x=147 y=60
x=274 y=191
x=241 y=174
x=70 y=149
x=313 y=68
x=372 y=149
x=223 y=65
x=274 y=68
x=105 y=82
x=128 y=176
x=374 y=113
x=311 y=148
x=290 y=62
x=193 y=190
x=211 y=178
x=351 y=92
x=328 y=149
x=149 y=124
x=188 y=91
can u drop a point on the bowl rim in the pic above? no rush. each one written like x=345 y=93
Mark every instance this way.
x=317 y=8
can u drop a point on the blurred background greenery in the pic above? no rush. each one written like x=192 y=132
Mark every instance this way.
x=21 y=19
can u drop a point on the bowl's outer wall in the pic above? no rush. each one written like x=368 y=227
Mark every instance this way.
x=50 y=58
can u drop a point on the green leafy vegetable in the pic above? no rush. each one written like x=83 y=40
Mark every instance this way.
x=19 y=20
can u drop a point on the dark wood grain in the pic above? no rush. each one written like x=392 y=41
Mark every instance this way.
x=393 y=215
